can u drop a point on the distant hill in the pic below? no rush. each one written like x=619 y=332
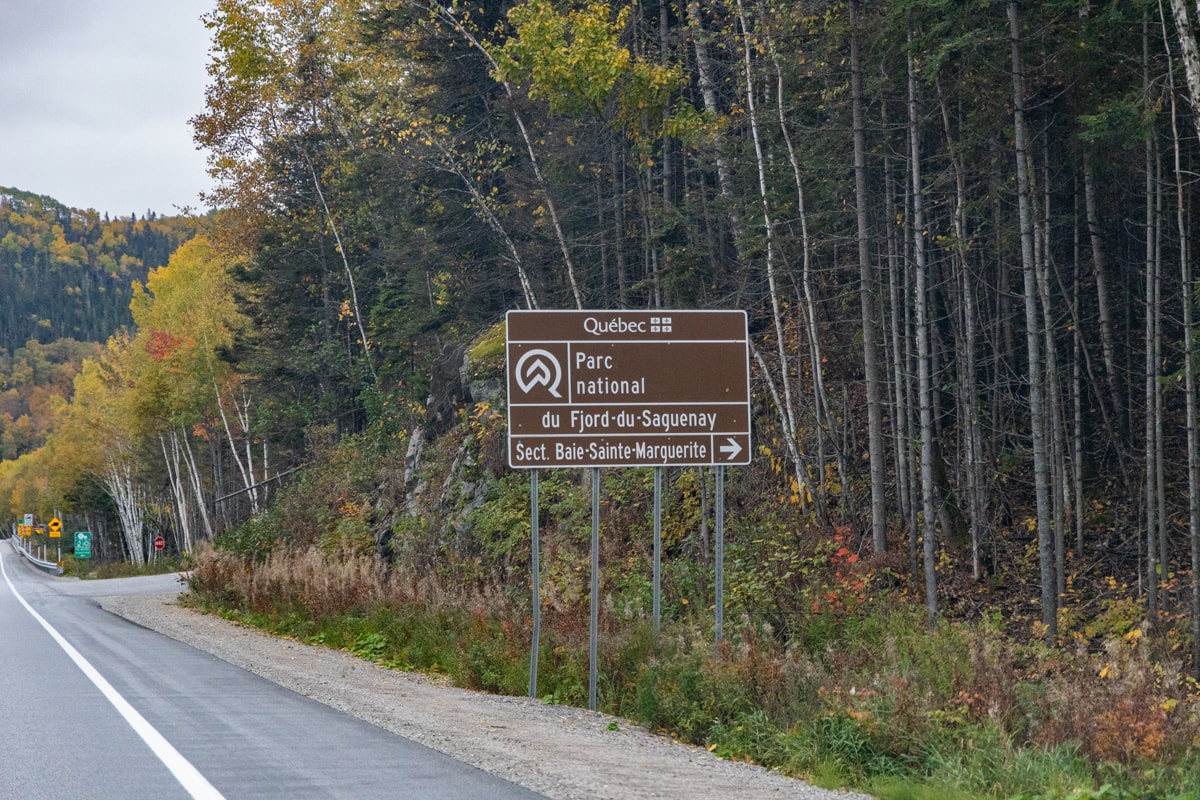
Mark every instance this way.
x=34 y=382
x=66 y=273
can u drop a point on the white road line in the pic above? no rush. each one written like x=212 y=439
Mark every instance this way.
x=192 y=781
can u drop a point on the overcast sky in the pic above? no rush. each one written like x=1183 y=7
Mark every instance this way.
x=95 y=99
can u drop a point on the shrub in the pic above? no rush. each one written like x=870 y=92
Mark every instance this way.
x=869 y=697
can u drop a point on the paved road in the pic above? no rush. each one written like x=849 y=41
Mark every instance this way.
x=93 y=706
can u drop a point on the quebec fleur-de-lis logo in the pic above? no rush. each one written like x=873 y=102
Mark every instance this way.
x=539 y=368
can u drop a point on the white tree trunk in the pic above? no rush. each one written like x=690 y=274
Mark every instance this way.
x=768 y=226
x=809 y=306
x=337 y=238
x=449 y=16
x=1188 y=50
x=197 y=485
x=483 y=204
x=183 y=514
x=1189 y=366
x=708 y=91
x=245 y=469
x=127 y=496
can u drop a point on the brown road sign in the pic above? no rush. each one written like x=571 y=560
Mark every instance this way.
x=628 y=388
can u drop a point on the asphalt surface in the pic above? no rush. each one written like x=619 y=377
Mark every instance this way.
x=175 y=722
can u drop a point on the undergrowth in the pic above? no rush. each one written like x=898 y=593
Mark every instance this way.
x=86 y=568
x=874 y=701
x=827 y=671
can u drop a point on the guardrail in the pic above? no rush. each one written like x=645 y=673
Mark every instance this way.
x=41 y=563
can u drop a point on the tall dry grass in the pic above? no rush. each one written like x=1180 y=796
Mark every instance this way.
x=322 y=584
x=870 y=697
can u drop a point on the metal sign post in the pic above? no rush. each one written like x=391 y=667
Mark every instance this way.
x=594 y=622
x=719 y=578
x=536 y=570
x=624 y=388
x=657 y=590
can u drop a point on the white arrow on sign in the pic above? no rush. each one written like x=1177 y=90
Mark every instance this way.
x=732 y=449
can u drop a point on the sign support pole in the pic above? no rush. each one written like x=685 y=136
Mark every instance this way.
x=720 y=555
x=535 y=568
x=594 y=623
x=625 y=388
x=658 y=475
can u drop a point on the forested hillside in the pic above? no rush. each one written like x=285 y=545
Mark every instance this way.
x=66 y=273
x=964 y=233
x=35 y=382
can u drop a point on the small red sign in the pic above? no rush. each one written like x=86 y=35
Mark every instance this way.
x=159 y=543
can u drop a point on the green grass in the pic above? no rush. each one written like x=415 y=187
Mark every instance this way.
x=89 y=569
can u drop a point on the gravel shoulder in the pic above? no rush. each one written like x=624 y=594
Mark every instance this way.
x=564 y=753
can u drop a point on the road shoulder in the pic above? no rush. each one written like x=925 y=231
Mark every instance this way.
x=565 y=753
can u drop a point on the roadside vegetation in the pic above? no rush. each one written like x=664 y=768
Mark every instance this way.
x=827 y=673
x=965 y=560
x=86 y=569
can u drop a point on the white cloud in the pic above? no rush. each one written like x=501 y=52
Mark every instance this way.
x=95 y=100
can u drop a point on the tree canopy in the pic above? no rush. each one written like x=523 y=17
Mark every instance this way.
x=964 y=234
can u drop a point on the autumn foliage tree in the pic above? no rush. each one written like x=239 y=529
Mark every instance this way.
x=412 y=168
x=963 y=234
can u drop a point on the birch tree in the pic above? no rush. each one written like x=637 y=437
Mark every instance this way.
x=1189 y=53
x=185 y=314
x=99 y=428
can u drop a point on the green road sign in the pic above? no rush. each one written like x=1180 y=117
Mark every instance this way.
x=83 y=544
